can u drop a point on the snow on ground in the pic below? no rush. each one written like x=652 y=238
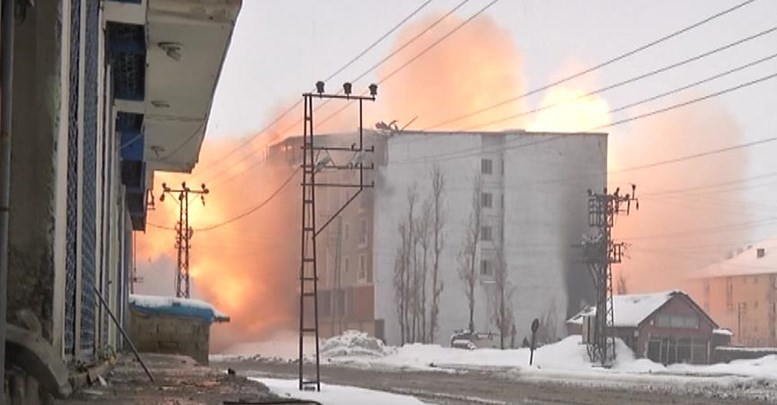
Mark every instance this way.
x=354 y=344
x=337 y=394
x=564 y=360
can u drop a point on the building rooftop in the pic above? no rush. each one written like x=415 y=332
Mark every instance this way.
x=631 y=309
x=760 y=258
x=172 y=306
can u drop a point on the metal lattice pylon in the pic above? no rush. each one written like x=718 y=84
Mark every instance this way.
x=312 y=164
x=601 y=253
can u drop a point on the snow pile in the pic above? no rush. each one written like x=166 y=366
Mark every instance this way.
x=337 y=394
x=765 y=367
x=177 y=306
x=354 y=344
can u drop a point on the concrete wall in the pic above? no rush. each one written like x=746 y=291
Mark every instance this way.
x=171 y=335
x=35 y=123
x=546 y=214
x=543 y=184
x=39 y=187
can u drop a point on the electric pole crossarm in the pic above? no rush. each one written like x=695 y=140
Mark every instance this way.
x=339 y=96
x=312 y=165
x=338 y=185
x=352 y=148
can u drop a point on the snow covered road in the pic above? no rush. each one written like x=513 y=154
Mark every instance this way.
x=496 y=388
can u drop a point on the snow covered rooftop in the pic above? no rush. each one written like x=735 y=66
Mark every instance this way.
x=630 y=309
x=185 y=307
x=760 y=258
x=723 y=331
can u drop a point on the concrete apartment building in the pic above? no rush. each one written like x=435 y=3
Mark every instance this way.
x=104 y=94
x=534 y=196
x=533 y=209
x=741 y=294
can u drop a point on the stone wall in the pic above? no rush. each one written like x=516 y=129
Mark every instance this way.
x=170 y=335
x=35 y=109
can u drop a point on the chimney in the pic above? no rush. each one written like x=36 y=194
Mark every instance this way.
x=760 y=252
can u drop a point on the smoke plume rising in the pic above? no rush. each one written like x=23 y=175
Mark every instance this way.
x=682 y=225
x=472 y=69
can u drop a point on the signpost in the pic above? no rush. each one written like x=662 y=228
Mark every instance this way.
x=535 y=324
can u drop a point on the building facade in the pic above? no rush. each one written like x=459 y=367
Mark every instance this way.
x=533 y=213
x=103 y=96
x=741 y=294
x=532 y=200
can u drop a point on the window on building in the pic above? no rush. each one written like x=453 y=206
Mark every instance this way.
x=486 y=269
x=363 y=231
x=346 y=264
x=362 y=268
x=486 y=166
x=346 y=231
x=486 y=200
x=486 y=234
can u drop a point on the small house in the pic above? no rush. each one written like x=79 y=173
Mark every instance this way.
x=666 y=327
x=173 y=325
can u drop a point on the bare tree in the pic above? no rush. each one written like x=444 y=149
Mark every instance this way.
x=412 y=198
x=438 y=240
x=400 y=279
x=469 y=251
x=424 y=234
x=502 y=302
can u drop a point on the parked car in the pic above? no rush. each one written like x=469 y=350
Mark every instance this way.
x=464 y=339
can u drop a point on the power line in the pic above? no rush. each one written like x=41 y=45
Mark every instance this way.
x=695 y=155
x=424 y=51
x=250 y=139
x=687 y=103
x=714 y=229
x=435 y=43
x=594 y=68
x=649 y=74
x=253 y=209
x=379 y=40
x=331 y=76
x=411 y=40
x=469 y=151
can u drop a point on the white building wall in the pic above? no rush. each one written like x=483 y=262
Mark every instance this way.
x=544 y=215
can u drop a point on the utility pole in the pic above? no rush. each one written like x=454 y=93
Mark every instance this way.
x=316 y=159
x=600 y=254
x=183 y=234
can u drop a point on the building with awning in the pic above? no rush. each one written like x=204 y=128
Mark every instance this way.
x=105 y=93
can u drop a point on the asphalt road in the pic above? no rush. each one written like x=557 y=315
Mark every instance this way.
x=496 y=387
